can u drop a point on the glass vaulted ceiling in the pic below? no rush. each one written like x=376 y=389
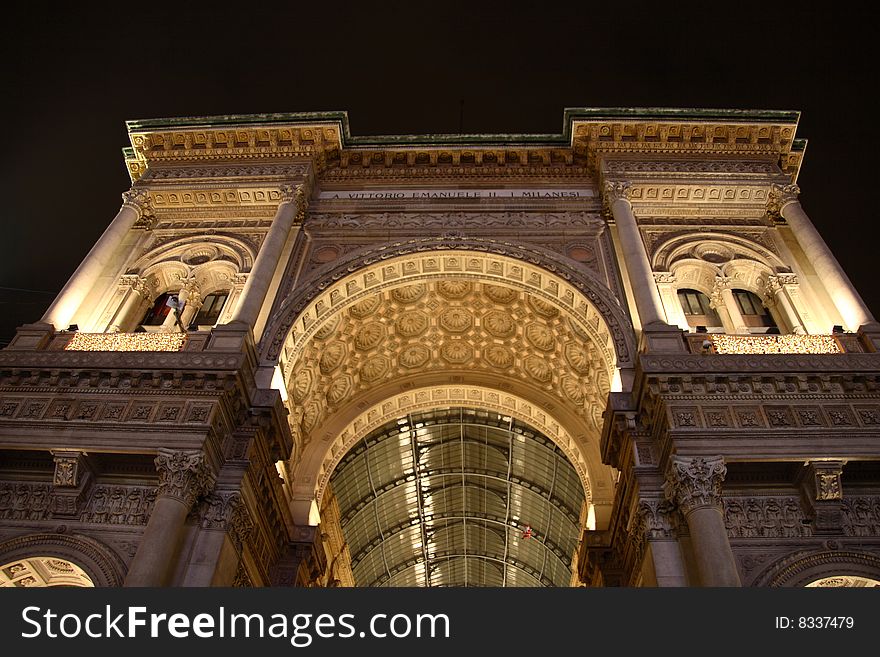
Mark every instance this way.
x=446 y=498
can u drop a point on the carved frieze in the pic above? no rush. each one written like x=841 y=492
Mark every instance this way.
x=764 y=517
x=25 y=501
x=119 y=505
x=861 y=515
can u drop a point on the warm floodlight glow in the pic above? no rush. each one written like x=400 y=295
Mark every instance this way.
x=278 y=382
x=126 y=342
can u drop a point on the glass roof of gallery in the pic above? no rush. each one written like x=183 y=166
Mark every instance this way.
x=459 y=497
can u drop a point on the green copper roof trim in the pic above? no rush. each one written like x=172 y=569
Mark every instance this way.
x=569 y=115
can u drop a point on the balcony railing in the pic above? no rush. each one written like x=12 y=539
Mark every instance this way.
x=716 y=343
x=126 y=342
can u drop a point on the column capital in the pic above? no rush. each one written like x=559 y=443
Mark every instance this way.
x=183 y=475
x=138 y=200
x=694 y=483
x=226 y=511
x=617 y=190
x=780 y=196
x=656 y=518
x=68 y=468
x=138 y=284
x=827 y=483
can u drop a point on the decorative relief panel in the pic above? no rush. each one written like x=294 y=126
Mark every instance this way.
x=767 y=517
x=861 y=515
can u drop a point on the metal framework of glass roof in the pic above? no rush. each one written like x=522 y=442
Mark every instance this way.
x=459 y=497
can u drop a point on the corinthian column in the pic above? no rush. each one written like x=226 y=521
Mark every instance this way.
x=641 y=276
x=695 y=486
x=776 y=291
x=183 y=477
x=656 y=524
x=68 y=301
x=784 y=199
x=260 y=277
x=224 y=529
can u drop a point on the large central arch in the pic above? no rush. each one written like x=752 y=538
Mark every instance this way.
x=431 y=322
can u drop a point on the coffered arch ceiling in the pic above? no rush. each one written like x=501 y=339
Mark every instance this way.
x=421 y=334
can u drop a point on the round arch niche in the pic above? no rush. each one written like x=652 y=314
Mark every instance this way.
x=399 y=322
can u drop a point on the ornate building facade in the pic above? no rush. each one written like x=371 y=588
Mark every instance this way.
x=619 y=356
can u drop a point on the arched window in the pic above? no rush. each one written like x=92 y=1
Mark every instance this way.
x=210 y=310
x=698 y=310
x=755 y=315
x=156 y=315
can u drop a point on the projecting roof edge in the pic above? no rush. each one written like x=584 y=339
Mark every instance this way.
x=570 y=115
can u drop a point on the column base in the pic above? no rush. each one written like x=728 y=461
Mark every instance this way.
x=661 y=338
x=869 y=334
x=230 y=337
x=32 y=337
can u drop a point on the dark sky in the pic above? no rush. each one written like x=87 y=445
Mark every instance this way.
x=73 y=74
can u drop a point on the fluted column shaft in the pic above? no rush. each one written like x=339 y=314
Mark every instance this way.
x=732 y=307
x=183 y=477
x=133 y=300
x=777 y=292
x=845 y=297
x=260 y=278
x=695 y=485
x=86 y=275
x=641 y=276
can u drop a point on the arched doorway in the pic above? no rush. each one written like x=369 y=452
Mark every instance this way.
x=429 y=330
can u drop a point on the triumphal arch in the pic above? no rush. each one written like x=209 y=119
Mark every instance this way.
x=617 y=356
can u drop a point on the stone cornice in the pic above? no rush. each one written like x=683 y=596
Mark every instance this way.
x=764 y=363
x=587 y=134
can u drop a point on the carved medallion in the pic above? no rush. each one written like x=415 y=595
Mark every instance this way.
x=572 y=389
x=456 y=320
x=409 y=293
x=366 y=307
x=454 y=289
x=414 y=356
x=332 y=357
x=369 y=336
x=543 y=308
x=498 y=356
x=540 y=336
x=328 y=328
x=412 y=323
x=538 y=368
x=374 y=369
x=310 y=416
x=300 y=386
x=498 y=294
x=339 y=389
x=499 y=324
x=577 y=357
x=456 y=352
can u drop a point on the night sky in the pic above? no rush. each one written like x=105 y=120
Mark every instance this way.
x=73 y=74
